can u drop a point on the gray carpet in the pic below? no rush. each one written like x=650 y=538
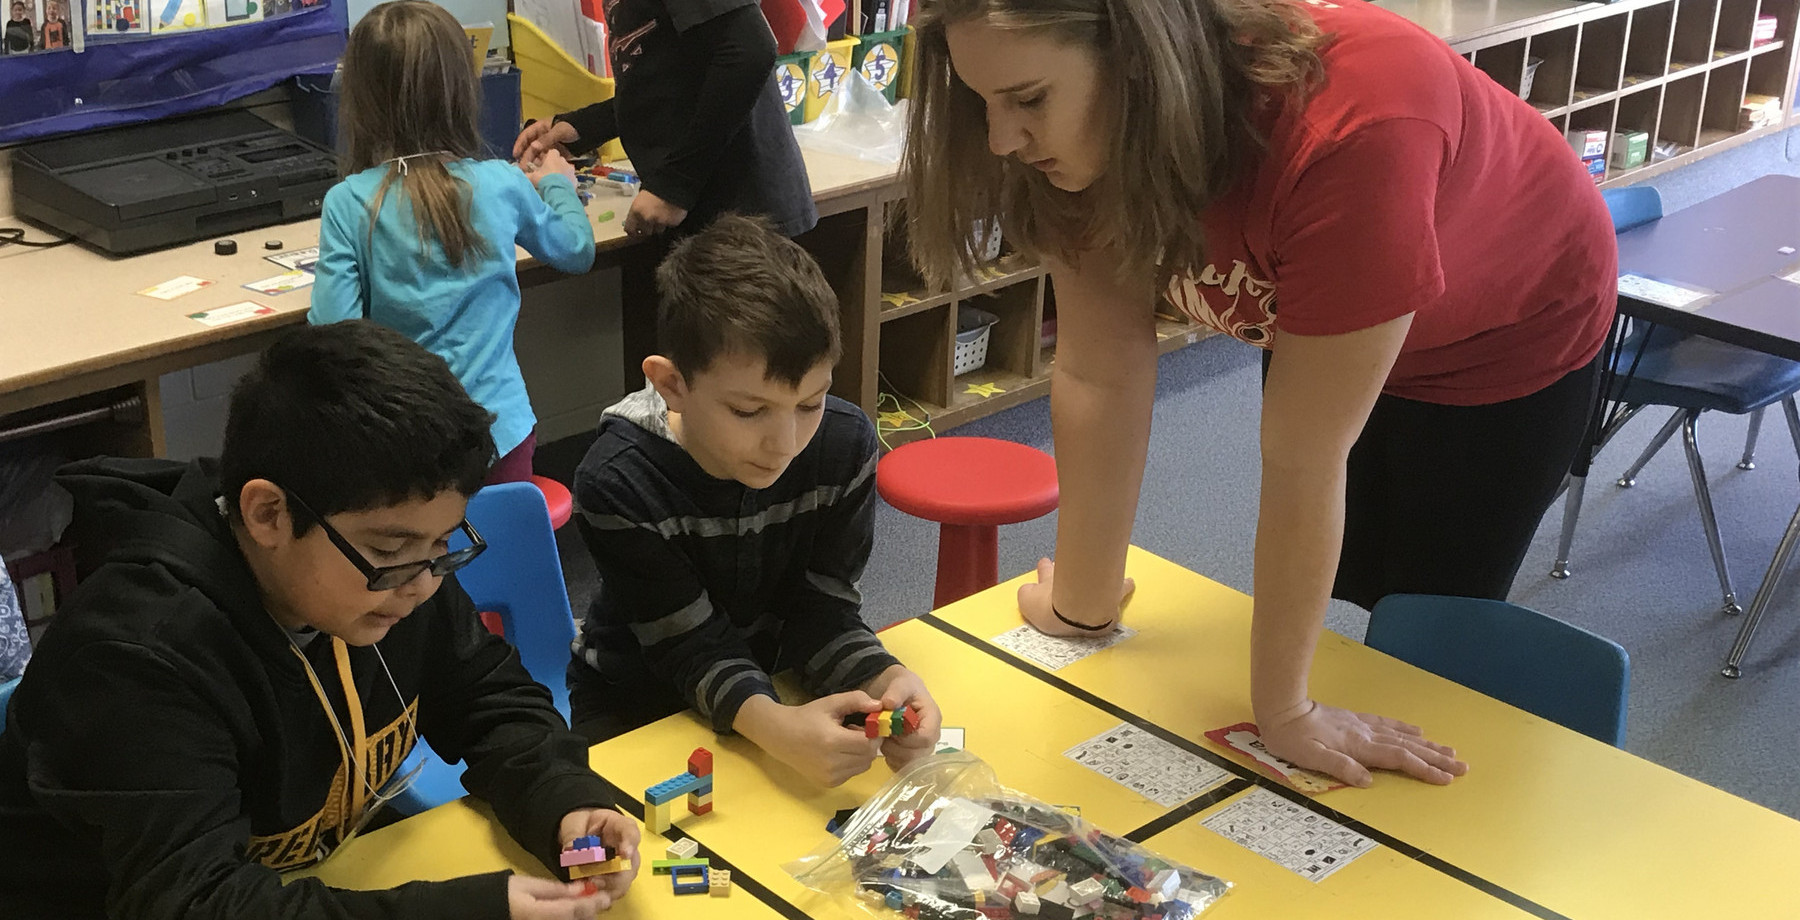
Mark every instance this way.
x=1643 y=574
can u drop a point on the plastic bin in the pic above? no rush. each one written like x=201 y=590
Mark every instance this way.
x=314 y=105
x=829 y=67
x=974 y=326
x=881 y=57
x=790 y=78
x=552 y=82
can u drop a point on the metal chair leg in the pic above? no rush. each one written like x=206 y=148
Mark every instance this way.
x=1708 y=519
x=1573 y=487
x=1749 y=461
x=1765 y=592
x=1656 y=444
x=1792 y=413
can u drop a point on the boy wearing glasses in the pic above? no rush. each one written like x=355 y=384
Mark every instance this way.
x=256 y=648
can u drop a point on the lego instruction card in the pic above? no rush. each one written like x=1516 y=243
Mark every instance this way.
x=1299 y=840
x=1148 y=765
x=1055 y=652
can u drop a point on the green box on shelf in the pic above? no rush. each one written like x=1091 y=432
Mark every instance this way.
x=790 y=78
x=881 y=58
x=1630 y=149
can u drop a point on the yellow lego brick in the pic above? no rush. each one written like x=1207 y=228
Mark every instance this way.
x=656 y=817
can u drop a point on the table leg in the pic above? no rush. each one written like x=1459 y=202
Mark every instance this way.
x=1765 y=593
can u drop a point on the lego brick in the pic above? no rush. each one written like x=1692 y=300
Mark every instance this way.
x=911 y=718
x=871 y=725
x=689 y=879
x=673 y=788
x=700 y=798
x=700 y=809
x=1086 y=891
x=685 y=848
x=582 y=843
x=660 y=866
x=700 y=763
x=895 y=900
x=615 y=864
x=586 y=870
x=582 y=857
x=720 y=882
x=1026 y=903
x=884 y=727
x=656 y=817
x=1166 y=883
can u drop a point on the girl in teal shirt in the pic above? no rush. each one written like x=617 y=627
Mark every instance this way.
x=420 y=235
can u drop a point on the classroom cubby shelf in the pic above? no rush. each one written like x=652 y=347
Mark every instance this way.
x=1676 y=69
x=913 y=333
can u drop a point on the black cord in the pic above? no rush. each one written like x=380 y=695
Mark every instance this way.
x=10 y=236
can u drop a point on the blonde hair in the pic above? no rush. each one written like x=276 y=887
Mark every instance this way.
x=410 y=91
x=1183 y=77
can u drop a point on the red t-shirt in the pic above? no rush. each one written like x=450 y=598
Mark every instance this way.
x=1410 y=182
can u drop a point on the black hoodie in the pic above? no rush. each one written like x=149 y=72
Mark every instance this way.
x=167 y=752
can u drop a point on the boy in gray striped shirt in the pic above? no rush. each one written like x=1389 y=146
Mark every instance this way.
x=729 y=506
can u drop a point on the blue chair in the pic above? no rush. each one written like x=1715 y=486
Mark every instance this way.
x=1693 y=375
x=520 y=578
x=1516 y=655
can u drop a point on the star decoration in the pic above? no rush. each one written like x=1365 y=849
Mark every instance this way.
x=893 y=420
x=898 y=300
x=983 y=389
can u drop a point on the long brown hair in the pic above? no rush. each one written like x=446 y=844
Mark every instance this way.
x=1184 y=75
x=409 y=88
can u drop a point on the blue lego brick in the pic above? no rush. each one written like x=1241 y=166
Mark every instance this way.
x=583 y=843
x=690 y=886
x=674 y=787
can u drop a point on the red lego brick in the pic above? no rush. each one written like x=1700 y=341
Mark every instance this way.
x=872 y=725
x=1138 y=894
x=911 y=720
x=700 y=809
x=700 y=762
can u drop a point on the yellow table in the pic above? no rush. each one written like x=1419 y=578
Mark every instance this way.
x=1579 y=827
x=463 y=838
x=766 y=816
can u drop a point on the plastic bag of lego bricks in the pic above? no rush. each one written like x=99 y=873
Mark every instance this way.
x=943 y=840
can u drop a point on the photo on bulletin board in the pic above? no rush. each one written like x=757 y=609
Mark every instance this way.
x=33 y=26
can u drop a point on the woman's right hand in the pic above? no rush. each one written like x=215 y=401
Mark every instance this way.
x=1034 y=605
x=540 y=138
x=532 y=898
x=551 y=164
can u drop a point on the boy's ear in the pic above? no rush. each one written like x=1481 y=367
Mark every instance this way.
x=666 y=378
x=264 y=509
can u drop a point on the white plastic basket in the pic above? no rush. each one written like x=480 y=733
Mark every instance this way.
x=975 y=327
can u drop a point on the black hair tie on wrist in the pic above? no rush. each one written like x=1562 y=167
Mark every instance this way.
x=1082 y=626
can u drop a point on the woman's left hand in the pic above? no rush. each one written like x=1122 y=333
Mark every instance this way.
x=1346 y=744
x=650 y=215
x=1034 y=605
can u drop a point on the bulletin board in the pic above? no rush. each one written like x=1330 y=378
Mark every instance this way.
x=74 y=65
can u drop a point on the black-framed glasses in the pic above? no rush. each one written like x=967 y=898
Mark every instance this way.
x=389 y=577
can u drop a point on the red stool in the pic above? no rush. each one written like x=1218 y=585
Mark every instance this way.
x=557 y=498
x=970 y=486
x=561 y=506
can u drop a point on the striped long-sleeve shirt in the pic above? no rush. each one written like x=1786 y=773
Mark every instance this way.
x=710 y=585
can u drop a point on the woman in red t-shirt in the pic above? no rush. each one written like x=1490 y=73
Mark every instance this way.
x=1425 y=261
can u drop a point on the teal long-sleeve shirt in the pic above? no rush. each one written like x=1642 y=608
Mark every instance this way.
x=465 y=315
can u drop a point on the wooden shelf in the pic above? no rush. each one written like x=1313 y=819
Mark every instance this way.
x=903 y=294
x=1676 y=71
